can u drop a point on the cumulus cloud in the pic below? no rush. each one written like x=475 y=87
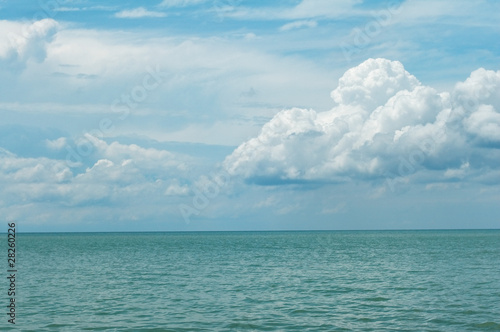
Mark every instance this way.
x=139 y=13
x=484 y=124
x=144 y=158
x=385 y=124
x=120 y=173
x=20 y=42
x=17 y=170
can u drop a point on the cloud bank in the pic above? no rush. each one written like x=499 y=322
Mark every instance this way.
x=385 y=125
x=117 y=174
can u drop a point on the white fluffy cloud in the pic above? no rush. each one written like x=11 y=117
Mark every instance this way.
x=385 y=124
x=121 y=173
x=17 y=170
x=20 y=42
x=145 y=158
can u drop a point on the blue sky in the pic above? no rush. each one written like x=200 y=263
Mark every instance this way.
x=249 y=115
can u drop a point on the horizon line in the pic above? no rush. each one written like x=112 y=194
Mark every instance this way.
x=262 y=231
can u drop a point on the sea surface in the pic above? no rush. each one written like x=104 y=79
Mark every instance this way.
x=258 y=281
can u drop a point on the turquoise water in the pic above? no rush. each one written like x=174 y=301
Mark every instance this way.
x=259 y=281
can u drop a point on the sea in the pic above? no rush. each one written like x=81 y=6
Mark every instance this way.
x=433 y=280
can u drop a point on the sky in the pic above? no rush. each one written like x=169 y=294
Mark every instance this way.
x=193 y=115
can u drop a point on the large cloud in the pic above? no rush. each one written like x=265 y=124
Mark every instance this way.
x=386 y=124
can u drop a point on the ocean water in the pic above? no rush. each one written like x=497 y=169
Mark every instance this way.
x=259 y=281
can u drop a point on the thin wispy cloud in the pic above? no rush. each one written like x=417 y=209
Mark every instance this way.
x=306 y=9
x=139 y=12
x=85 y=8
x=180 y=3
x=299 y=25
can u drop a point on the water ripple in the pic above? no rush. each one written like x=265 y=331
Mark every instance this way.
x=260 y=281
